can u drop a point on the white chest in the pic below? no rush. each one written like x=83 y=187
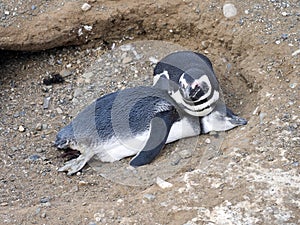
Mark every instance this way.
x=184 y=128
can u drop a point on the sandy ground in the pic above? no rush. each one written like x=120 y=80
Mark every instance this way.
x=254 y=179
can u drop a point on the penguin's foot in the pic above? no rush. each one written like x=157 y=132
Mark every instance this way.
x=74 y=165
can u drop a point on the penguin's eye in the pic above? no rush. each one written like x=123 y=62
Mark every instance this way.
x=196 y=93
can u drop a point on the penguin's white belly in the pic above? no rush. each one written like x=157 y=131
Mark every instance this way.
x=184 y=128
x=119 y=148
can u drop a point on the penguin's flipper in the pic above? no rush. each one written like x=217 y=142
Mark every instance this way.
x=160 y=127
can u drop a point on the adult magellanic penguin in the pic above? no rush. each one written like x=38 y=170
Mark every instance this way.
x=190 y=80
x=136 y=121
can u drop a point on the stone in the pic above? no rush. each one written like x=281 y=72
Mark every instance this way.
x=21 y=128
x=65 y=73
x=34 y=157
x=207 y=141
x=59 y=110
x=150 y=197
x=127 y=60
x=162 y=183
x=38 y=127
x=86 y=7
x=229 y=10
x=46 y=102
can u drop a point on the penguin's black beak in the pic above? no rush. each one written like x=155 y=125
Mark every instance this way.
x=234 y=119
x=238 y=120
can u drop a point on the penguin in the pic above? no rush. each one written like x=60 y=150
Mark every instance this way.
x=134 y=122
x=190 y=80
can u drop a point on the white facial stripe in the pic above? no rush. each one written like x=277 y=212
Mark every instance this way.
x=196 y=110
x=157 y=76
x=204 y=78
x=182 y=81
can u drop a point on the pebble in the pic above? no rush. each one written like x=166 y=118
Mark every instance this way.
x=185 y=154
x=33 y=7
x=59 y=110
x=4 y=204
x=44 y=200
x=150 y=197
x=162 y=183
x=34 y=157
x=21 y=128
x=39 y=150
x=82 y=183
x=229 y=10
x=127 y=60
x=86 y=7
x=46 y=102
x=74 y=189
x=99 y=216
x=87 y=28
x=44 y=126
x=284 y=36
x=38 y=127
x=296 y=52
x=207 y=141
x=261 y=117
x=65 y=73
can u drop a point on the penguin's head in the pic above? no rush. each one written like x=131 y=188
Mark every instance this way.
x=64 y=137
x=221 y=119
x=194 y=89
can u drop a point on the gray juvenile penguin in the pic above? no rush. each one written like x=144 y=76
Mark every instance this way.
x=133 y=122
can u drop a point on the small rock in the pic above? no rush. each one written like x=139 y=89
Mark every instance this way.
x=82 y=183
x=43 y=215
x=162 y=183
x=99 y=216
x=87 y=28
x=44 y=126
x=74 y=189
x=38 y=127
x=86 y=7
x=21 y=128
x=59 y=110
x=65 y=73
x=88 y=75
x=261 y=117
x=284 y=36
x=33 y=7
x=296 y=52
x=229 y=10
x=39 y=150
x=185 y=154
x=207 y=141
x=4 y=204
x=127 y=60
x=46 y=102
x=150 y=197
x=34 y=157
x=44 y=199
x=6 y=13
